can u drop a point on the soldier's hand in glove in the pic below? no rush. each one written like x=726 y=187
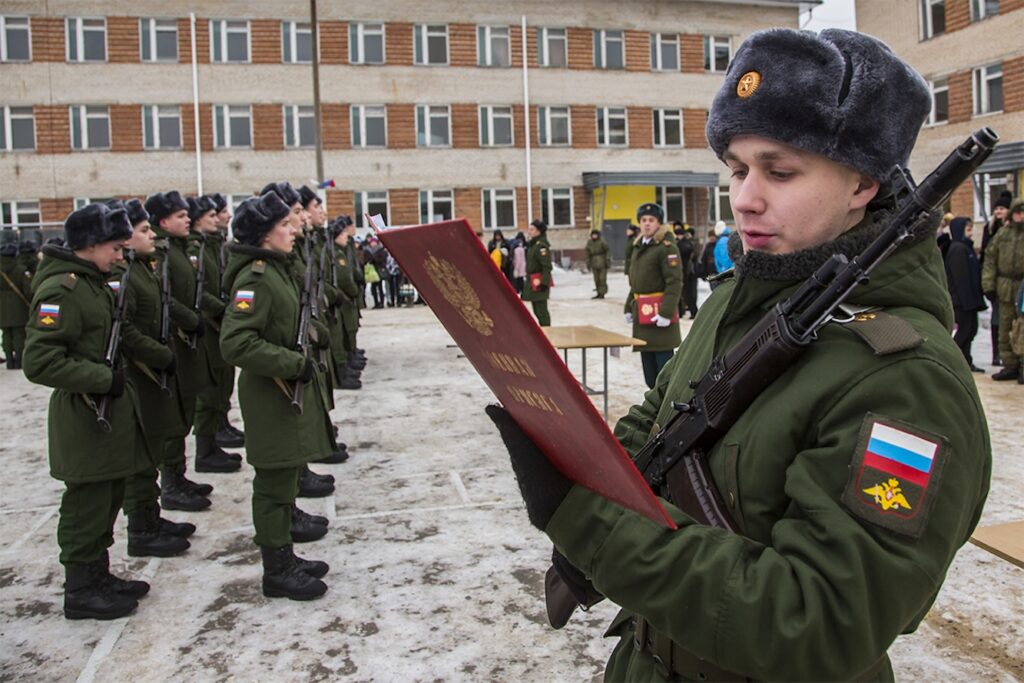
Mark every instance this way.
x=629 y=318
x=116 y=389
x=308 y=370
x=542 y=486
x=661 y=322
x=565 y=589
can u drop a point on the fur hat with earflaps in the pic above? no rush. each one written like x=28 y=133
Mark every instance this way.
x=288 y=194
x=163 y=204
x=257 y=216
x=96 y=224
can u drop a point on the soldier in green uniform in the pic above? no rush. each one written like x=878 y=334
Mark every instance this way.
x=15 y=292
x=28 y=256
x=211 y=404
x=632 y=232
x=347 y=292
x=538 y=271
x=258 y=336
x=852 y=486
x=150 y=370
x=655 y=273
x=168 y=213
x=597 y=261
x=228 y=436
x=1001 y=276
x=72 y=317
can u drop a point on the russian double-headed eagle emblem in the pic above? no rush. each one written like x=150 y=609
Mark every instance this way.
x=457 y=291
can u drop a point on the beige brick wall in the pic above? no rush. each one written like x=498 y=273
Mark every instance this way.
x=694 y=121
x=960 y=97
x=691 y=53
x=335 y=126
x=401 y=126
x=398 y=38
x=267 y=127
x=1013 y=85
x=188 y=131
x=958 y=15
x=641 y=127
x=123 y=40
x=584 y=126
x=126 y=128
x=581 y=206
x=47 y=39
x=265 y=38
x=467 y=205
x=55 y=210
x=405 y=206
x=462 y=44
x=465 y=126
x=333 y=42
x=638 y=51
x=581 y=47
x=53 y=129
x=515 y=41
x=961 y=202
x=340 y=202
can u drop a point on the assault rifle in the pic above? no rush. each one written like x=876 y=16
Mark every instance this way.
x=112 y=356
x=197 y=303
x=674 y=461
x=165 y=318
x=307 y=311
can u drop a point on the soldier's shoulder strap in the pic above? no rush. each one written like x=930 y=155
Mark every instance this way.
x=259 y=266
x=69 y=281
x=161 y=243
x=884 y=332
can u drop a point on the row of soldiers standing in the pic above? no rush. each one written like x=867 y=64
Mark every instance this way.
x=17 y=266
x=141 y=349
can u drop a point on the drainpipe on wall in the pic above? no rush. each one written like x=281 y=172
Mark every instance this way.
x=526 y=127
x=195 y=104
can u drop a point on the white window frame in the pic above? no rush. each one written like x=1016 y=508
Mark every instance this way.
x=711 y=45
x=722 y=193
x=933 y=89
x=488 y=115
x=224 y=30
x=489 y=199
x=294 y=114
x=981 y=89
x=548 y=198
x=361 y=202
x=422 y=33
x=77 y=25
x=16 y=208
x=604 y=130
x=979 y=10
x=661 y=115
x=154 y=115
x=662 y=196
x=83 y=132
x=8 y=123
x=431 y=197
x=485 y=39
x=291 y=31
x=82 y=202
x=424 y=114
x=358 y=31
x=4 y=27
x=148 y=29
x=360 y=111
x=658 y=41
x=544 y=118
x=545 y=35
x=927 y=29
x=222 y=138
x=601 y=43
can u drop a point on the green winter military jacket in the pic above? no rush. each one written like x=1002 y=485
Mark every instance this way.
x=345 y=272
x=538 y=260
x=66 y=340
x=15 y=290
x=655 y=268
x=1003 y=268
x=258 y=336
x=212 y=306
x=597 y=253
x=830 y=568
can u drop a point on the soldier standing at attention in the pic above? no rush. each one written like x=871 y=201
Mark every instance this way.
x=258 y=337
x=72 y=315
x=27 y=256
x=1001 y=276
x=632 y=232
x=655 y=282
x=15 y=292
x=537 y=289
x=852 y=486
x=343 y=337
x=597 y=262
x=168 y=214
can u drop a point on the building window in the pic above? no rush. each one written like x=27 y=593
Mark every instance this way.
x=299 y=126
x=161 y=127
x=430 y=44
x=553 y=126
x=983 y=9
x=87 y=39
x=229 y=41
x=371 y=203
x=611 y=127
x=369 y=126
x=717 y=53
x=492 y=46
x=668 y=128
x=609 y=49
x=988 y=89
x=552 y=47
x=721 y=206
x=433 y=125
x=556 y=206
x=232 y=125
x=82 y=202
x=15 y=42
x=296 y=43
x=20 y=214
x=90 y=127
x=940 y=101
x=366 y=43
x=672 y=200
x=436 y=205
x=499 y=209
x=933 y=18
x=495 y=126
x=665 y=51
x=19 y=129
x=158 y=40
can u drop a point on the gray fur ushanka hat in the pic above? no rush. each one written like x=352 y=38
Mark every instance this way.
x=840 y=94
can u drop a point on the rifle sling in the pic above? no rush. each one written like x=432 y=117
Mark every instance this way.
x=16 y=290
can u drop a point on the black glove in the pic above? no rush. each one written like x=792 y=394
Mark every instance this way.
x=171 y=367
x=116 y=389
x=565 y=589
x=308 y=370
x=200 y=328
x=542 y=486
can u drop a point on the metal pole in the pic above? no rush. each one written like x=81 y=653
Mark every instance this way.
x=526 y=127
x=195 y=104
x=314 y=32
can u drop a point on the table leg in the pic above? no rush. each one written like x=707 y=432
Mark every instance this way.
x=605 y=349
x=583 y=354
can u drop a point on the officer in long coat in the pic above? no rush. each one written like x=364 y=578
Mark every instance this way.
x=15 y=293
x=537 y=289
x=598 y=255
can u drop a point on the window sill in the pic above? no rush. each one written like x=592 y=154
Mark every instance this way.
x=20 y=150
x=160 y=61
x=986 y=114
x=86 y=61
x=432 y=64
x=89 y=149
x=679 y=146
x=162 y=149
x=937 y=124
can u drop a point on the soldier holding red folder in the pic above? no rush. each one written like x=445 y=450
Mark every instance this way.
x=538 y=272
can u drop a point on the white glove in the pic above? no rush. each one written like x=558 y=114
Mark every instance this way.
x=661 y=322
x=629 y=318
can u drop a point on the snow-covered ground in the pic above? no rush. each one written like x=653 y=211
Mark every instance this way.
x=435 y=572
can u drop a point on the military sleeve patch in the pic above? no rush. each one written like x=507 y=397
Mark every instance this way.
x=49 y=315
x=895 y=474
x=672 y=260
x=114 y=285
x=342 y=262
x=194 y=260
x=245 y=299
x=543 y=251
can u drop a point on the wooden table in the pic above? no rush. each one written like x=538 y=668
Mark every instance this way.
x=1003 y=540
x=585 y=337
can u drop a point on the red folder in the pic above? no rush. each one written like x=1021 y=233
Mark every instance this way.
x=648 y=305
x=536 y=284
x=452 y=270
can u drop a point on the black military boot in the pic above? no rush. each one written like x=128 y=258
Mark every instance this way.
x=174 y=495
x=356 y=362
x=327 y=478
x=89 y=595
x=179 y=529
x=129 y=587
x=336 y=458
x=313 y=486
x=314 y=568
x=145 y=538
x=17 y=360
x=10 y=361
x=349 y=383
x=226 y=437
x=210 y=458
x=282 y=577
x=1007 y=374
x=299 y=513
x=305 y=528
x=198 y=488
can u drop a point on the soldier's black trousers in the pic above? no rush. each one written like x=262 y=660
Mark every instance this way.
x=141 y=491
x=85 y=528
x=273 y=494
x=214 y=401
x=540 y=310
x=653 y=362
x=14 y=339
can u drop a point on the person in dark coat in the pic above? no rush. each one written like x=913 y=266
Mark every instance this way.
x=963 y=275
x=706 y=265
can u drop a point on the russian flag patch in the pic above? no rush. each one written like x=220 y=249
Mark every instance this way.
x=49 y=315
x=894 y=474
x=244 y=300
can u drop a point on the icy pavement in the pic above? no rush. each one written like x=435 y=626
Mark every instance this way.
x=435 y=572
